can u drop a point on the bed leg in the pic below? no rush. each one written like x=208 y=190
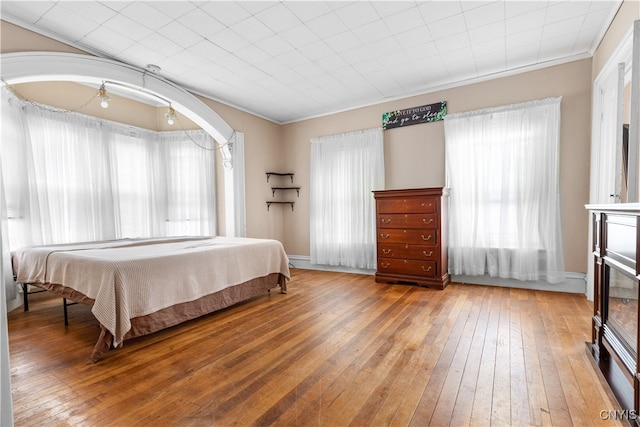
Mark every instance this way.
x=66 y=317
x=25 y=296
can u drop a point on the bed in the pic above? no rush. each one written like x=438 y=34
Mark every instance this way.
x=139 y=286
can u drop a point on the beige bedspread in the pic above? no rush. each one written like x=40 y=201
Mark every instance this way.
x=132 y=278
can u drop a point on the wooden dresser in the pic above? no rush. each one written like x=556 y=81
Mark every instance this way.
x=411 y=236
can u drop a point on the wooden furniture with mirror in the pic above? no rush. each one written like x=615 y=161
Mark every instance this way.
x=411 y=236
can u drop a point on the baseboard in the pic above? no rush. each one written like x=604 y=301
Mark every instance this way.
x=573 y=283
x=304 y=262
x=15 y=303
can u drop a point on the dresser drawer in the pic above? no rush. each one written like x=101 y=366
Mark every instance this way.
x=406 y=251
x=408 y=235
x=425 y=220
x=408 y=205
x=407 y=266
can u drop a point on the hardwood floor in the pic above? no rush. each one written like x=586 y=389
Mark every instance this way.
x=338 y=349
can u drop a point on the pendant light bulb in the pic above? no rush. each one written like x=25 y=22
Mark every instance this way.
x=171 y=115
x=102 y=95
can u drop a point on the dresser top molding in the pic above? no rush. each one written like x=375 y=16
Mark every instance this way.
x=631 y=208
x=432 y=191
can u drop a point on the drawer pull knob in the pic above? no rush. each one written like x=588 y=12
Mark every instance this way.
x=424 y=220
x=384 y=236
x=385 y=220
x=426 y=268
x=427 y=254
x=384 y=265
x=425 y=238
x=386 y=251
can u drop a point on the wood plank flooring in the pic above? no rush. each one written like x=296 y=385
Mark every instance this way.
x=337 y=350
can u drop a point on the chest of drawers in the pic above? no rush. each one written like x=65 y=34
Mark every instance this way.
x=411 y=237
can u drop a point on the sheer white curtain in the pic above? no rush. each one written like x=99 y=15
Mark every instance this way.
x=503 y=171
x=70 y=177
x=190 y=182
x=345 y=169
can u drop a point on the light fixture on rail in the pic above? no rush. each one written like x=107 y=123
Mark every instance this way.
x=103 y=97
x=171 y=115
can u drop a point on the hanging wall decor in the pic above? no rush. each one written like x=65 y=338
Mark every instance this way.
x=413 y=116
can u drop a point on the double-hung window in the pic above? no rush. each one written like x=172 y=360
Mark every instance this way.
x=503 y=173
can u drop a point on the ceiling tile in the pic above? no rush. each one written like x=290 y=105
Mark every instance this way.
x=278 y=18
x=517 y=8
x=561 y=28
x=485 y=15
x=487 y=33
x=93 y=11
x=447 y=27
x=316 y=50
x=178 y=33
x=207 y=49
x=371 y=32
x=306 y=11
x=326 y=25
x=123 y=25
x=274 y=45
x=229 y=40
x=252 y=54
x=255 y=7
x=524 y=38
x=437 y=11
x=170 y=8
x=557 y=47
x=567 y=10
x=201 y=23
x=160 y=43
x=343 y=41
x=227 y=12
x=526 y=21
x=252 y=29
x=488 y=48
x=357 y=13
x=142 y=12
x=414 y=37
x=358 y=54
x=72 y=27
x=492 y=63
x=423 y=51
x=453 y=43
x=404 y=21
x=389 y=8
x=116 y=42
x=299 y=36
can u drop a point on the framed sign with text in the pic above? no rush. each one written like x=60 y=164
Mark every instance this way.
x=413 y=116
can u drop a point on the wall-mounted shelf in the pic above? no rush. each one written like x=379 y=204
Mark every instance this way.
x=284 y=188
x=280 y=203
x=279 y=174
x=274 y=189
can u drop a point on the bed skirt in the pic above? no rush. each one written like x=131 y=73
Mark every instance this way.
x=175 y=314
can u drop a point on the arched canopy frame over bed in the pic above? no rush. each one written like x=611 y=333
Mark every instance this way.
x=23 y=67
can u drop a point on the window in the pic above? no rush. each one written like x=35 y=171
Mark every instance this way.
x=503 y=174
x=345 y=169
x=72 y=177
